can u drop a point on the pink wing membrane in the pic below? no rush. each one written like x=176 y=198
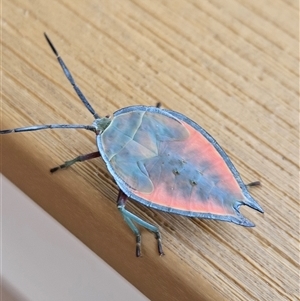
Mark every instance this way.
x=190 y=175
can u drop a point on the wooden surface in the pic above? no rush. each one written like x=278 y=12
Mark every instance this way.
x=232 y=66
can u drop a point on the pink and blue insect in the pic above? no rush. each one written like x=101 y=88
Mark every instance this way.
x=163 y=160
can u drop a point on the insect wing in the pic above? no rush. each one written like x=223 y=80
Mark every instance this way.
x=166 y=161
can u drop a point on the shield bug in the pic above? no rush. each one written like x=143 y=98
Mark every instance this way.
x=163 y=160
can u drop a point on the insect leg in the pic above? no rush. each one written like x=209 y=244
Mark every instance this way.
x=136 y=232
x=80 y=158
x=130 y=218
x=255 y=183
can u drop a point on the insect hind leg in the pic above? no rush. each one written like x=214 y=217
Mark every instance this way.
x=80 y=158
x=130 y=219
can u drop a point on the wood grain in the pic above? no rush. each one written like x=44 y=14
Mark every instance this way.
x=231 y=66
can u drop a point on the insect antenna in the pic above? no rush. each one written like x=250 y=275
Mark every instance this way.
x=71 y=79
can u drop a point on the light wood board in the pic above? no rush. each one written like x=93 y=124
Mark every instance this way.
x=232 y=66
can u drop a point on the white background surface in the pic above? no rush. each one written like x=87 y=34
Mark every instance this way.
x=41 y=260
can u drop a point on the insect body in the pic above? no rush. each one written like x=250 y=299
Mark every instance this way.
x=163 y=160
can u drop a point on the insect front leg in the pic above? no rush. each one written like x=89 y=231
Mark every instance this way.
x=80 y=158
x=130 y=218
